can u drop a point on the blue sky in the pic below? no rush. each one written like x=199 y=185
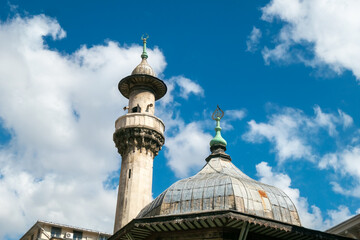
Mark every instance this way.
x=285 y=72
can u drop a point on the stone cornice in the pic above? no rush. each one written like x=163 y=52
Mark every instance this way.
x=138 y=138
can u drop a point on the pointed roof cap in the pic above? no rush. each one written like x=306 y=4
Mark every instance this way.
x=143 y=77
x=144 y=67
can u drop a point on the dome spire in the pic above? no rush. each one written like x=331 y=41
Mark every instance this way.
x=218 y=139
x=144 y=37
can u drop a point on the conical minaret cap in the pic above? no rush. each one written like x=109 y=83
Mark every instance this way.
x=144 y=67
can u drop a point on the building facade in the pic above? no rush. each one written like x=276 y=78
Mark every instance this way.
x=43 y=230
x=219 y=202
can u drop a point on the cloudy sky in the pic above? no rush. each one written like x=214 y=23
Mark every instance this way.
x=286 y=72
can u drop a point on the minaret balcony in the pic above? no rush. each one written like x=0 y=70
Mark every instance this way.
x=140 y=120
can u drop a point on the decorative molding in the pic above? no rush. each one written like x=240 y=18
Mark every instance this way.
x=143 y=81
x=138 y=138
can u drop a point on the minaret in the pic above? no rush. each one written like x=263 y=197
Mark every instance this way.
x=139 y=136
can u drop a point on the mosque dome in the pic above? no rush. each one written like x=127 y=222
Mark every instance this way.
x=220 y=185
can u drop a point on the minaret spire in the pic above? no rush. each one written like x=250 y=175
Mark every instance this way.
x=144 y=67
x=139 y=136
x=144 y=53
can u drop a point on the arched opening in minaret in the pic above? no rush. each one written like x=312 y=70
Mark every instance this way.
x=136 y=109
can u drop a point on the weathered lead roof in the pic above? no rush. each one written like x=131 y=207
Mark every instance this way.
x=222 y=186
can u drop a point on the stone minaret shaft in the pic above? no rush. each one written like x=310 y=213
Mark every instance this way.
x=139 y=136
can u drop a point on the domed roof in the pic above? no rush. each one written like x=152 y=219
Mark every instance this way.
x=220 y=185
x=143 y=68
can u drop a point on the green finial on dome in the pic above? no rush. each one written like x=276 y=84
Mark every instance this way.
x=144 y=37
x=218 y=139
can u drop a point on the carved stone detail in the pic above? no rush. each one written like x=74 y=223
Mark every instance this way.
x=138 y=138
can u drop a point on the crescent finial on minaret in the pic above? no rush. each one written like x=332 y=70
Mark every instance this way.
x=144 y=37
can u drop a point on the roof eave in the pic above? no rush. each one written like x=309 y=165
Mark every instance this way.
x=142 y=228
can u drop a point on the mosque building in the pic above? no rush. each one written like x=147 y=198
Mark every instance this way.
x=219 y=202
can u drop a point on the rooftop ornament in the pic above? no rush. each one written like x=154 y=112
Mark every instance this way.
x=218 y=139
x=144 y=37
x=144 y=67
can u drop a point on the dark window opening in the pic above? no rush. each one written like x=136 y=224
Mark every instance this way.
x=77 y=235
x=55 y=231
x=129 y=173
x=136 y=109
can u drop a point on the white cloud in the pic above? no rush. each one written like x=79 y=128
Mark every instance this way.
x=191 y=136
x=235 y=114
x=339 y=215
x=187 y=149
x=310 y=216
x=253 y=39
x=284 y=130
x=325 y=120
x=345 y=163
x=294 y=134
x=353 y=191
x=326 y=32
x=291 y=131
x=347 y=120
x=186 y=88
x=329 y=160
x=231 y=116
x=330 y=121
x=60 y=110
